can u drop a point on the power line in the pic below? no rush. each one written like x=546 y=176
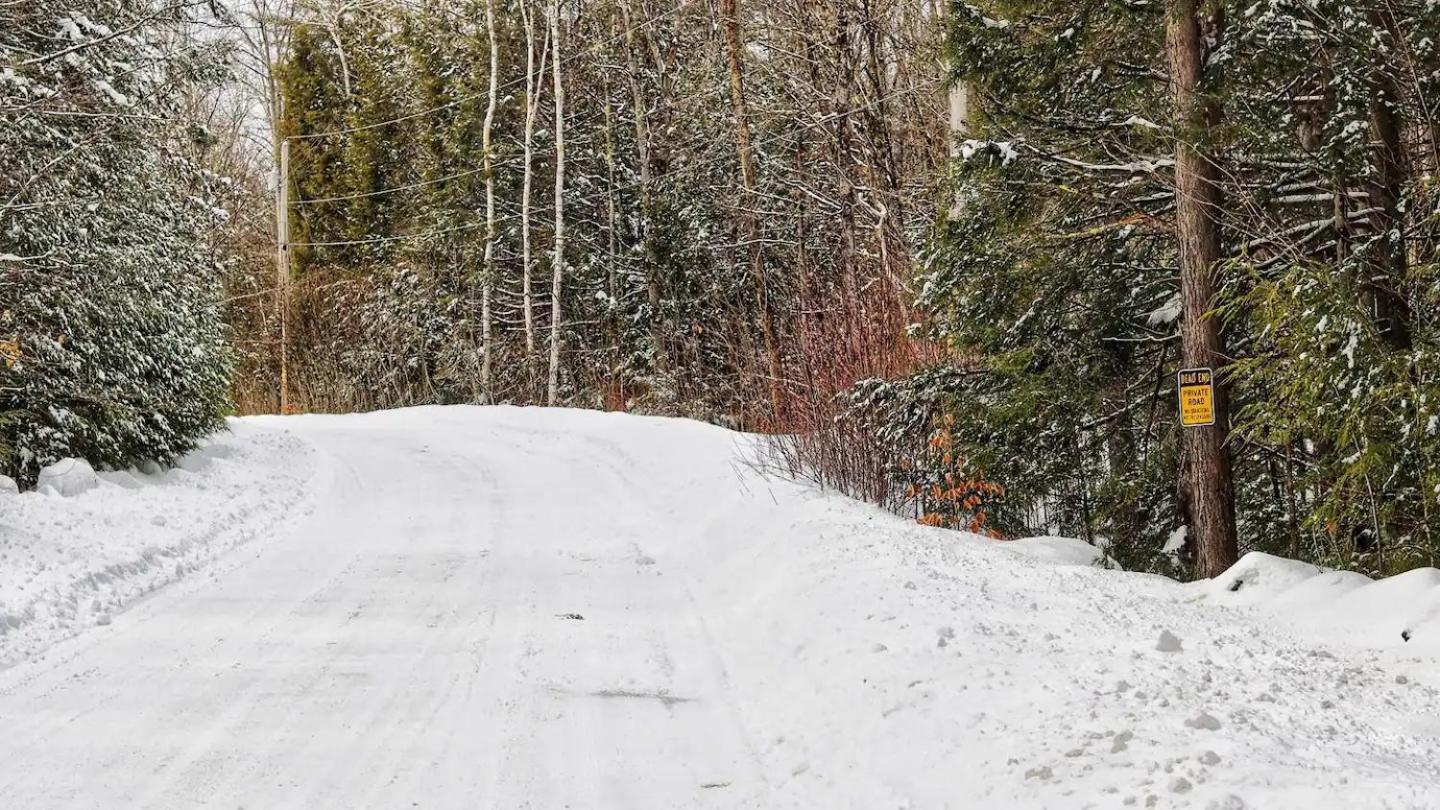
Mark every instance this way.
x=505 y=86
x=378 y=239
x=410 y=187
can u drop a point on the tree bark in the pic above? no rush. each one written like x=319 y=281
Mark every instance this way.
x=552 y=389
x=1387 y=267
x=749 y=222
x=1207 y=488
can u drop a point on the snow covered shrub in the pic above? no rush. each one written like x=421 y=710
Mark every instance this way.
x=109 y=290
x=391 y=337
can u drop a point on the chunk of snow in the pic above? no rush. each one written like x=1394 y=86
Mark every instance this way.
x=1204 y=721
x=67 y=478
x=1141 y=121
x=116 y=97
x=1168 y=312
x=1176 y=541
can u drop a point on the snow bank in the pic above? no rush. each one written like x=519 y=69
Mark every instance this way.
x=1399 y=611
x=84 y=544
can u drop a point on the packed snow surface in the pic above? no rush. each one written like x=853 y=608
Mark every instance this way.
x=507 y=608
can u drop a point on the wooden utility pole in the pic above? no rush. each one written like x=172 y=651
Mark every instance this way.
x=1206 y=489
x=749 y=221
x=282 y=269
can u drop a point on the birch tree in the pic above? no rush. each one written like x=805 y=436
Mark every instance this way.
x=552 y=390
x=750 y=237
x=489 y=273
x=535 y=42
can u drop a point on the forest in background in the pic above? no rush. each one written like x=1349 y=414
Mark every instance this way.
x=935 y=248
x=703 y=274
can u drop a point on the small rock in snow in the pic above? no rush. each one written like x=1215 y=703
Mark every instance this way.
x=1042 y=772
x=879 y=648
x=1180 y=785
x=1168 y=642
x=1401 y=679
x=103 y=619
x=1210 y=758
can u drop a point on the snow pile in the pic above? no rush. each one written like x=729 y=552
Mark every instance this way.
x=1399 y=611
x=884 y=665
x=67 y=477
x=84 y=544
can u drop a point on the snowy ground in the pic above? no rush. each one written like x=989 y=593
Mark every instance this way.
x=502 y=608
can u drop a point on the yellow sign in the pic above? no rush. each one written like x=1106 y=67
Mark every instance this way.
x=1197 y=397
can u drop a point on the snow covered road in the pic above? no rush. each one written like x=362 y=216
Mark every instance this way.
x=505 y=608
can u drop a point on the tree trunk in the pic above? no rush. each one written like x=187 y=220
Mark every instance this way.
x=552 y=390
x=749 y=222
x=487 y=281
x=643 y=156
x=613 y=316
x=534 y=85
x=1206 y=484
x=1387 y=267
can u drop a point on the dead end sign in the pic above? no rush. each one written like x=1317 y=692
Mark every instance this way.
x=1197 y=397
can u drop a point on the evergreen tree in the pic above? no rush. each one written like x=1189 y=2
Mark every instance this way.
x=110 y=294
x=1055 y=274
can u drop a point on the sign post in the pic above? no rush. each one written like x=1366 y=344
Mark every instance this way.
x=1197 y=397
